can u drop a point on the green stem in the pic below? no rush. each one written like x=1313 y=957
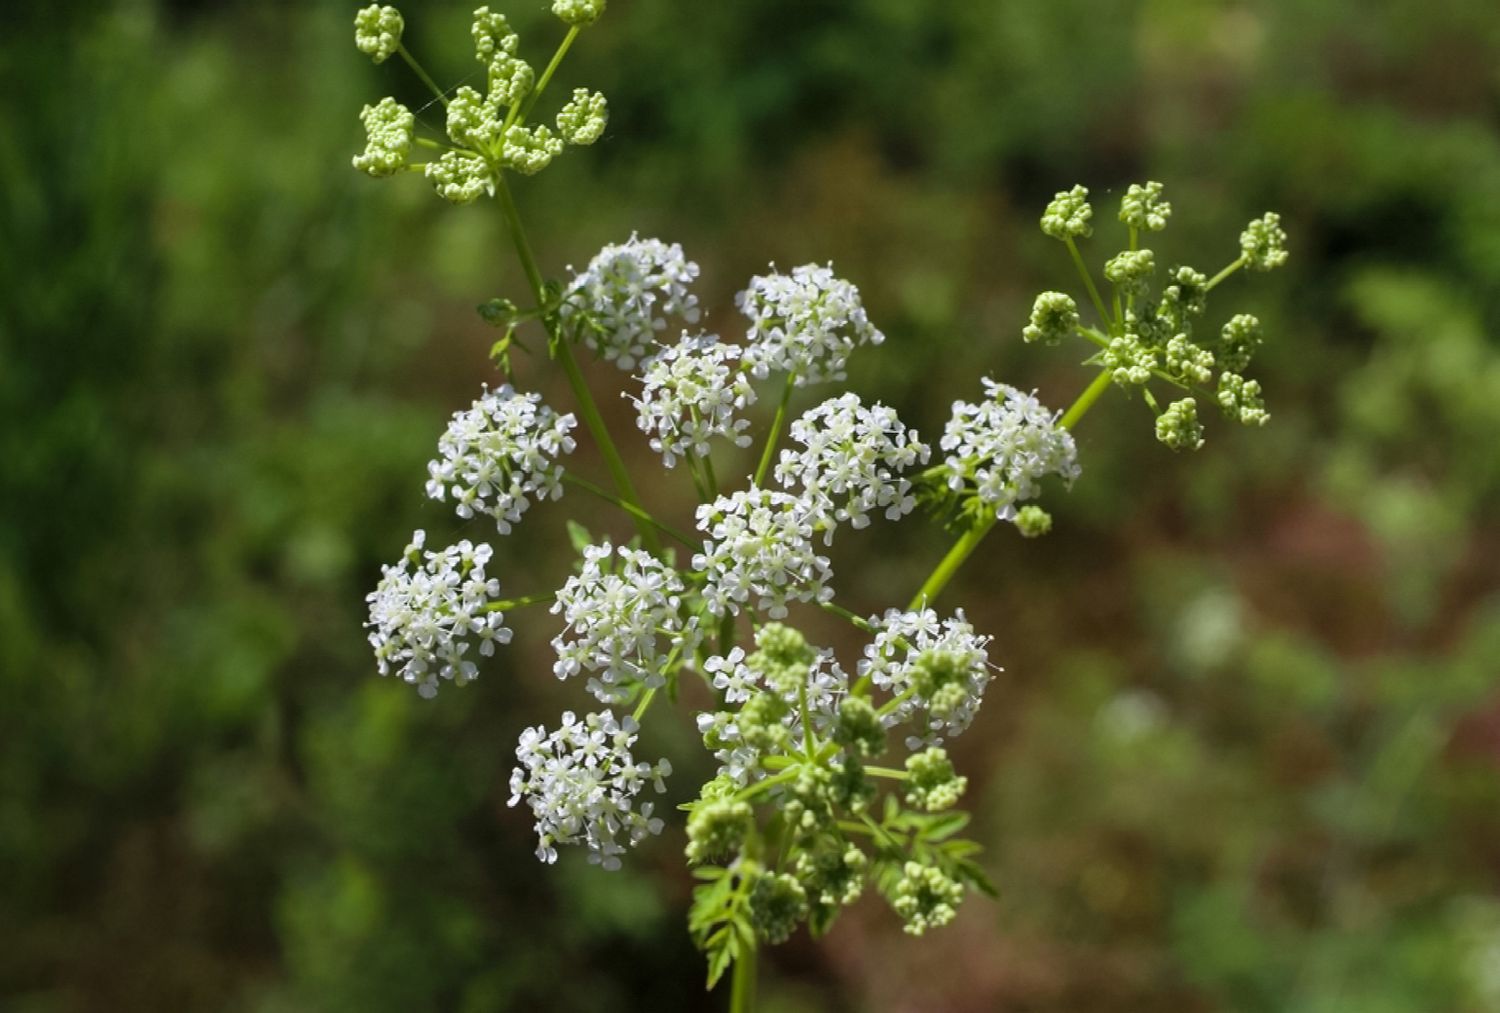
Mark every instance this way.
x=630 y=508
x=742 y=986
x=775 y=433
x=1086 y=400
x=546 y=78
x=1214 y=281
x=411 y=61
x=586 y=406
x=1088 y=279
x=839 y=610
x=640 y=708
x=515 y=603
x=943 y=573
x=890 y=772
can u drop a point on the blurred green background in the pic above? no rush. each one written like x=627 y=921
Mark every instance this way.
x=1246 y=754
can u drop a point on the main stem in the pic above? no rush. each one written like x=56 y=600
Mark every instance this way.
x=586 y=406
x=742 y=986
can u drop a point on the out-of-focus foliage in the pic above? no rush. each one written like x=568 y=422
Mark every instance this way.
x=1245 y=754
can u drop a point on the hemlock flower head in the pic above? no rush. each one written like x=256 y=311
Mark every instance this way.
x=1178 y=427
x=1240 y=399
x=583 y=119
x=1185 y=296
x=759 y=553
x=1143 y=208
x=429 y=609
x=1000 y=449
x=581 y=783
x=460 y=178
x=1263 y=243
x=805 y=323
x=692 y=392
x=941 y=665
x=627 y=295
x=1054 y=316
x=852 y=462
x=578 y=12
x=388 y=130
x=778 y=904
x=501 y=454
x=623 y=622
x=377 y=31
x=1067 y=217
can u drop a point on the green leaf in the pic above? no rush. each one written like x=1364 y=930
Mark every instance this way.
x=945 y=825
x=971 y=873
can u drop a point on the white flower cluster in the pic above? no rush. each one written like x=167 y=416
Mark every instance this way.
x=940 y=667
x=500 y=454
x=759 y=544
x=626 y=295
x=806 y=323
x=1000 y=449
x=739 y=754
x=623 y=623
x=690 y=393
x=423 y=615
x=852 y=462
x=581 y=783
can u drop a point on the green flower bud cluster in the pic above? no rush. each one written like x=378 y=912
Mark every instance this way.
x=1146 y=336
x=926 y=897
x=1130 y=272
x=1054 y=316
x=1241 y=401
x=778 y=904
x=578 y=12
x=488 y=132
x=583 y=119
x=931 y=782
x=377 y=31
x=1178 y=426
x=718 y=827
x=1263 y=243
x=1241 y=339
x=388 y=127
x=1067 y=217
x=1032 y=521
x=1143 y=208
x=859 y=729
x=1129 y=359
x=832 y=876
x=1185 y=359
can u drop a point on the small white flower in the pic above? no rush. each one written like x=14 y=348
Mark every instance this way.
x=424 y=615
x=852 y=462
x=759 y=553
x=500 y=454
x=941 y=668
x=690 y=393
x=622 y=621
x=805 y=323
x=625 y=297
x=581 y=783
x=999 y=450
x=827 y=684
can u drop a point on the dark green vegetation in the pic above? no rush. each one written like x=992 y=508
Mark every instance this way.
x=1246 y=755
